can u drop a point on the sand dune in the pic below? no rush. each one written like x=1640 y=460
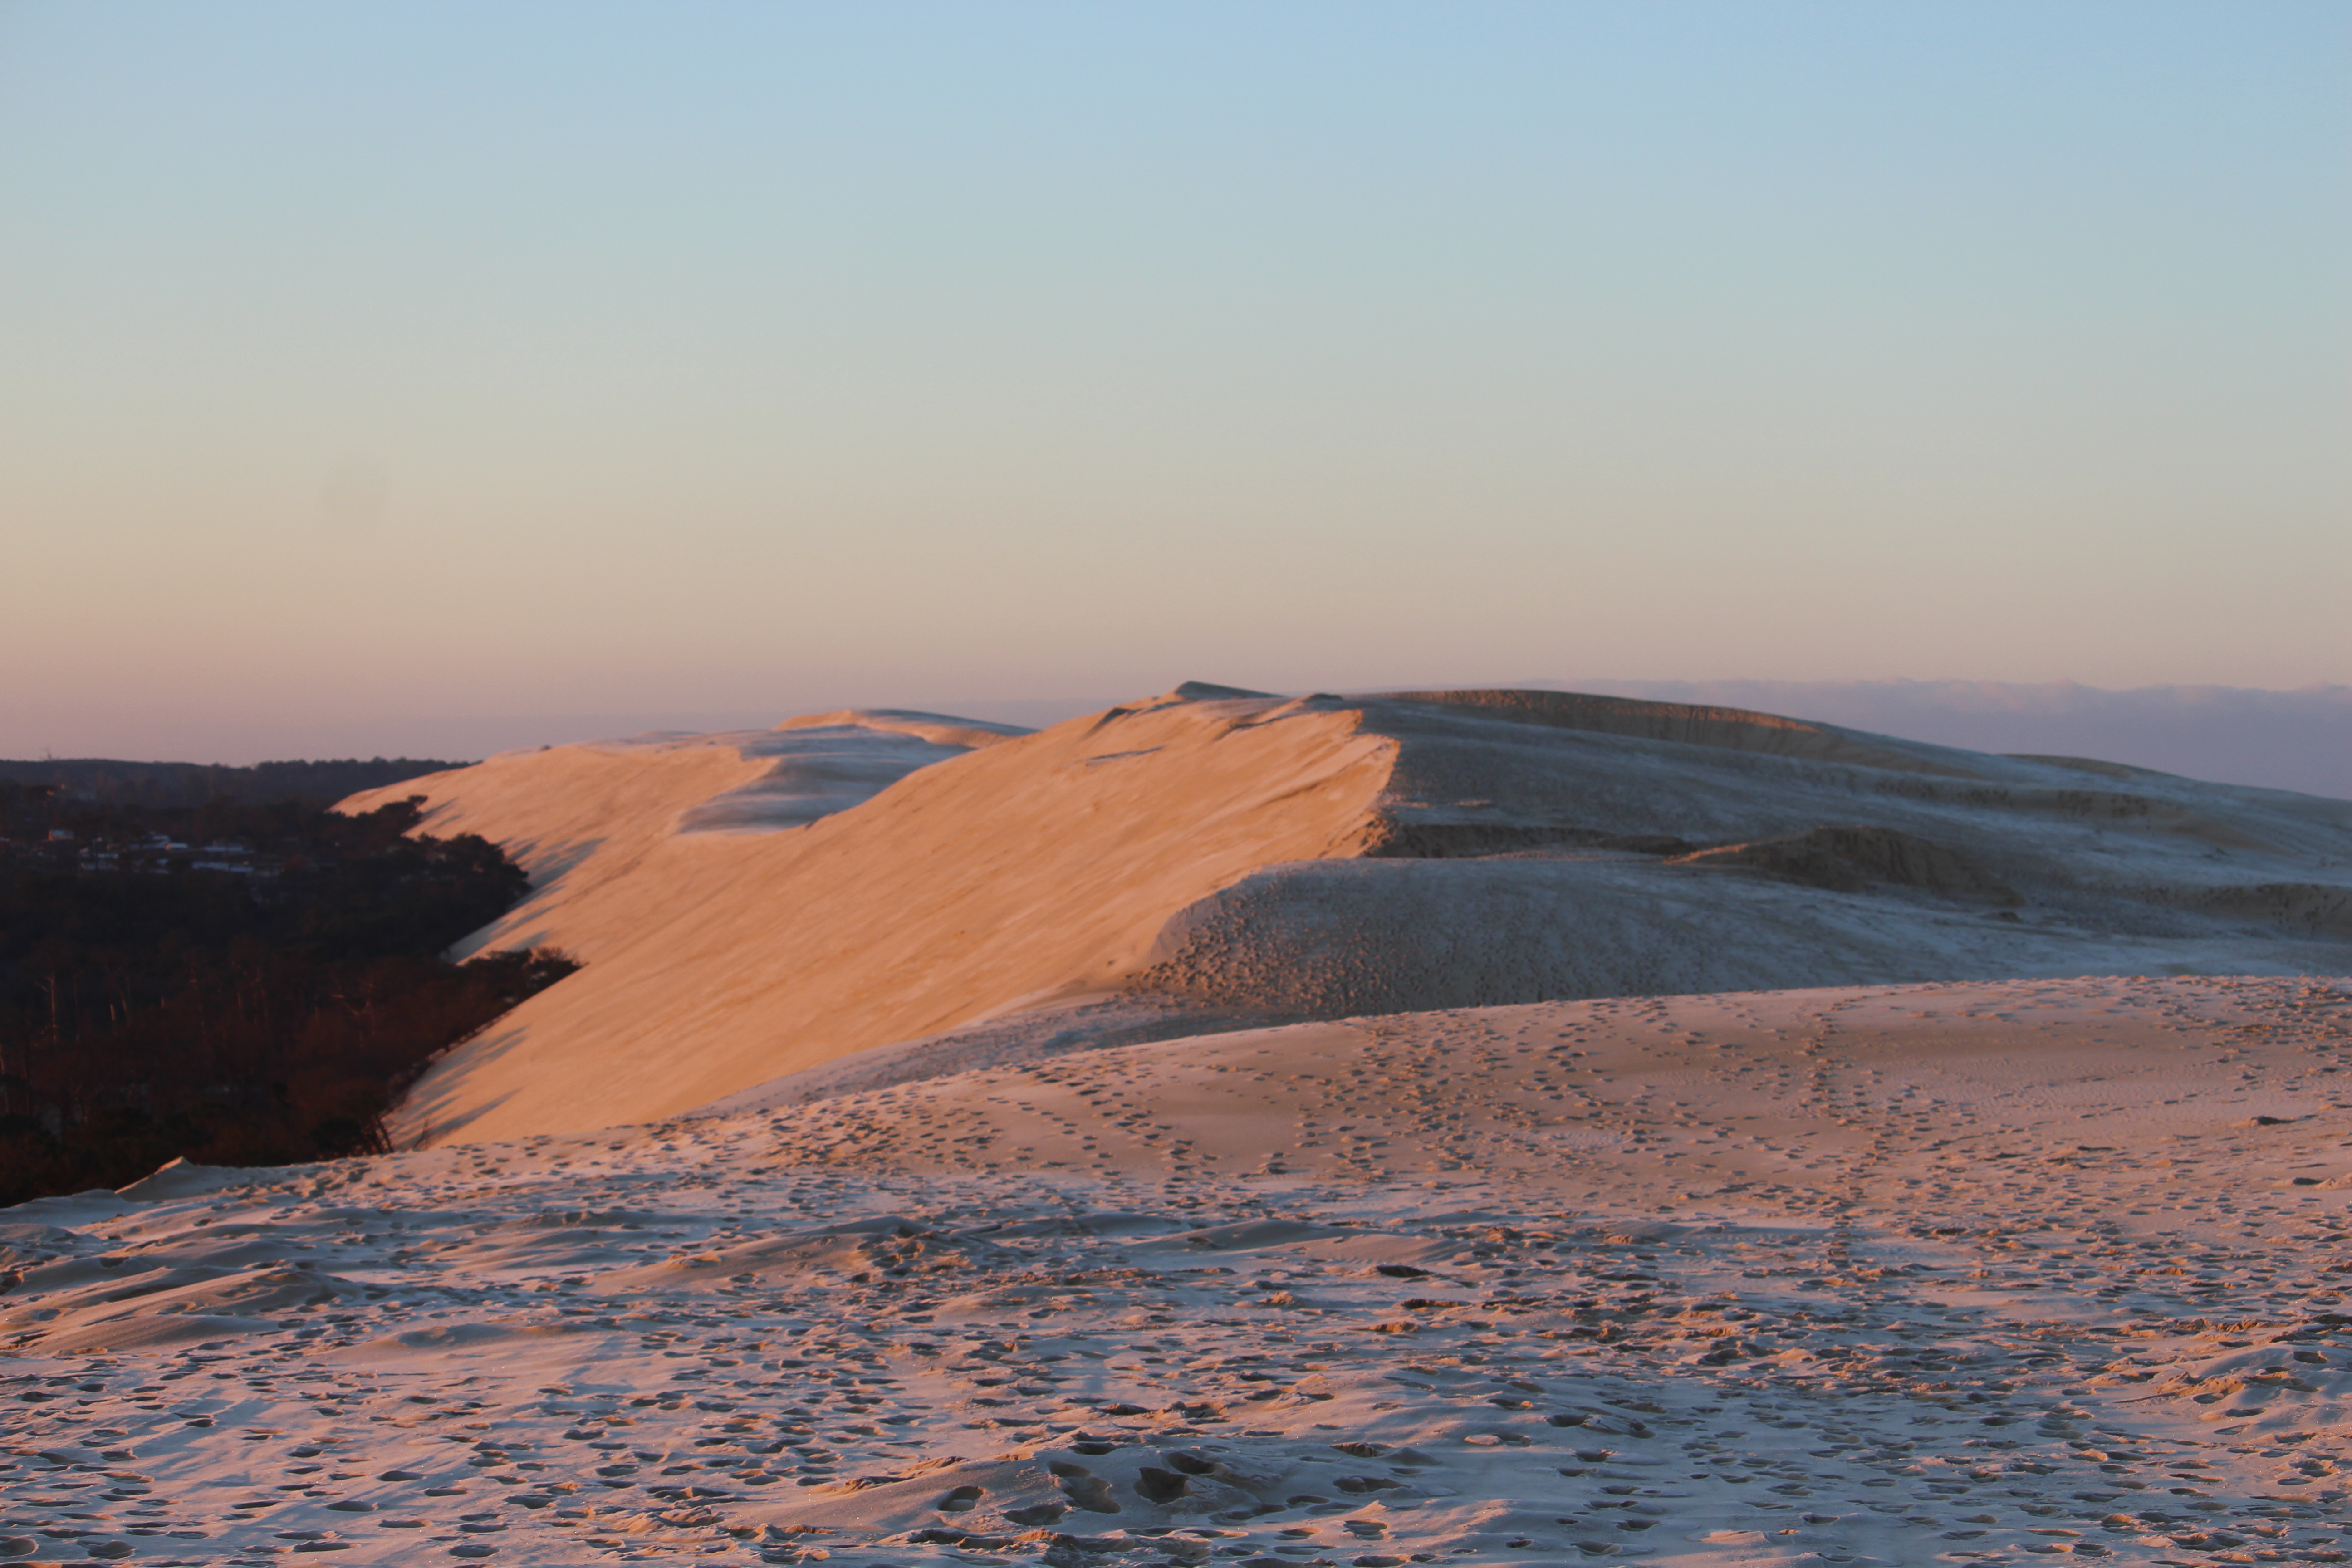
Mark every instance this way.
x=1921 y=1274
x=1041 y=866
x=2299 y=740
x=1216 y=858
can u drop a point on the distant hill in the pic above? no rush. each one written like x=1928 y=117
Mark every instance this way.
x=120 y=783
x=2299 y=740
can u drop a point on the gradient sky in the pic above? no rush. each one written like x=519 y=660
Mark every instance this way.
x=363 y=361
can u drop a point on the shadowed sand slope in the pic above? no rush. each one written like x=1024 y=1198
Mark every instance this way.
x=1981 y=1273
x=877 y=880
x=1731 y=728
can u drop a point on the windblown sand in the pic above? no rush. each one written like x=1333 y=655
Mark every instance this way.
x=1941 y=1273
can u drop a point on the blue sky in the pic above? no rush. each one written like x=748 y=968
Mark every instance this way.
x=436 y=359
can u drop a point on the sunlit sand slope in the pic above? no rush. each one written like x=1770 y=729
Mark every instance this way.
x=1237 y=859
x=1922 y=1274
x=583 y=818
x=1041 y=864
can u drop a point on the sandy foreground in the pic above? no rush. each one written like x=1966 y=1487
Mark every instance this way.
x=1943 y=1273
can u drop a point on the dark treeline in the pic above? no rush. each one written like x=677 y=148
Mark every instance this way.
x=195 y=783
x=237 y=983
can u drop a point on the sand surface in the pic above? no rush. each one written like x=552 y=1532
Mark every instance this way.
x=588 y=821
x=1944 y=1273
x=887 y=887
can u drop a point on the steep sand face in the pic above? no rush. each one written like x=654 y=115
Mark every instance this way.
x=581 y=818
x=1042 y=865
x=578 y=818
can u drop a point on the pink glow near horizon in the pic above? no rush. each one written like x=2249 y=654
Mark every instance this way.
x=385 y=367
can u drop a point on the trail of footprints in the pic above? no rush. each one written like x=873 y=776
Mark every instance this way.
x=775 y=1338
